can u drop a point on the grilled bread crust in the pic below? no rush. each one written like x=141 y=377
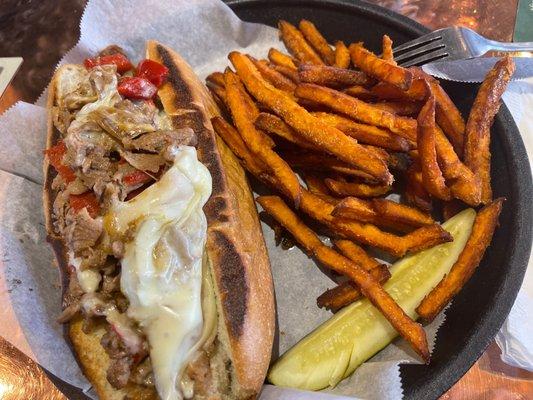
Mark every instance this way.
x=238 y=258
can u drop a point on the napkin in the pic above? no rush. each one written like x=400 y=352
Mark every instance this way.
x=515 y=339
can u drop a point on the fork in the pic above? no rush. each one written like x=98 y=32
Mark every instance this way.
x=448 y=44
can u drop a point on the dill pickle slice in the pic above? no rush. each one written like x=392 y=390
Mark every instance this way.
x=337 y=347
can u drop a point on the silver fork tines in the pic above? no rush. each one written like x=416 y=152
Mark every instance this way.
x=433 y=50
x=449 y=44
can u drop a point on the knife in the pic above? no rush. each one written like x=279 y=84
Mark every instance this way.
x=475 y=69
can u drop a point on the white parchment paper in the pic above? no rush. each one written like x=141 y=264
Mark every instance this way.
x=203 y=32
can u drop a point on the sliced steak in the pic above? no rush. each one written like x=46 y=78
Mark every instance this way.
x=113 y=344
x=76 y=187
x=97 y=170
x=110 y=50
x=69 y=312
x=110 y=285
x=82 y=231
x=126 y=120
x=158 y=141
x=73 y=88
x=62 y=118
x=144 y=162
x=142 y=373
x=118 y=373
x=83 y=138
x=60 y=207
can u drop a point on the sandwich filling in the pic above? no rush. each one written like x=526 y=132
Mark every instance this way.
x=128 y=197
x=162 y=266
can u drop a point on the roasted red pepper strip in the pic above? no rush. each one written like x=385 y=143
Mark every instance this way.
x=55 y=158
x=136 y=88
x=134 y=193
x=120 y=60
x=136 y=177
x=153 y=71
x=88 y=199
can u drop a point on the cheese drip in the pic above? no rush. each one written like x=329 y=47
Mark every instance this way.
x=162 y=265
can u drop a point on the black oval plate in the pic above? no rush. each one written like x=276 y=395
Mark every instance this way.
x=479 y=310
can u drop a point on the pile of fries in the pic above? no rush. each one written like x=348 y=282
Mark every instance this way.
x=356 y=127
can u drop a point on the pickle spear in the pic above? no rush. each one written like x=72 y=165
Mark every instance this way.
x=337 y=347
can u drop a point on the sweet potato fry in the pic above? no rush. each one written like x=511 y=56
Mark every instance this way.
x=366 y=134
x=331 y=76
x=415 y=192
x=342 y=55
x=342 y=189
x=233 y=140
x=347 y=292
x=317 y=41
x=387 y=50
x=357 y=109
x=357 y=254
x=267 y=140
x=378 y=152
x=463 y=184
x=290 y=73
x=322 y=162
x=450 y=208
x=477 y=133
x=401 y=213
x=229 y=134
x=386 y=91
x=382 y=213
x=480 y=238
x=320 y=134
x=398 y=161
x=277 y=79
x=410 y=330
x=354 y=208
x=320 y=209
x=431 y=173
x=360 y=92
x=315 y=183
x=405 y=108
x=219 y=93
x=273 y=124
x=380 y=69
x=448 y=117
x=252 y=110
x=297 y=45
x=276 y=57
x=251 y=106
x=420 y=239
x=217 y=78
x=362 y=211
x=255 y=141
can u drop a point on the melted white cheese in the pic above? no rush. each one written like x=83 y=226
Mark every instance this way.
x=162 y=266
x=88 y=279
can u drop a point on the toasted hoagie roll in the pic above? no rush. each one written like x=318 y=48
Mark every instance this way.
x=167 y=290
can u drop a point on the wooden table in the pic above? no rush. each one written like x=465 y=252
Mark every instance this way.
x=20 y=378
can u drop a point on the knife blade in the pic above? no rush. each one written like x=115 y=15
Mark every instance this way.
x=475 y=69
